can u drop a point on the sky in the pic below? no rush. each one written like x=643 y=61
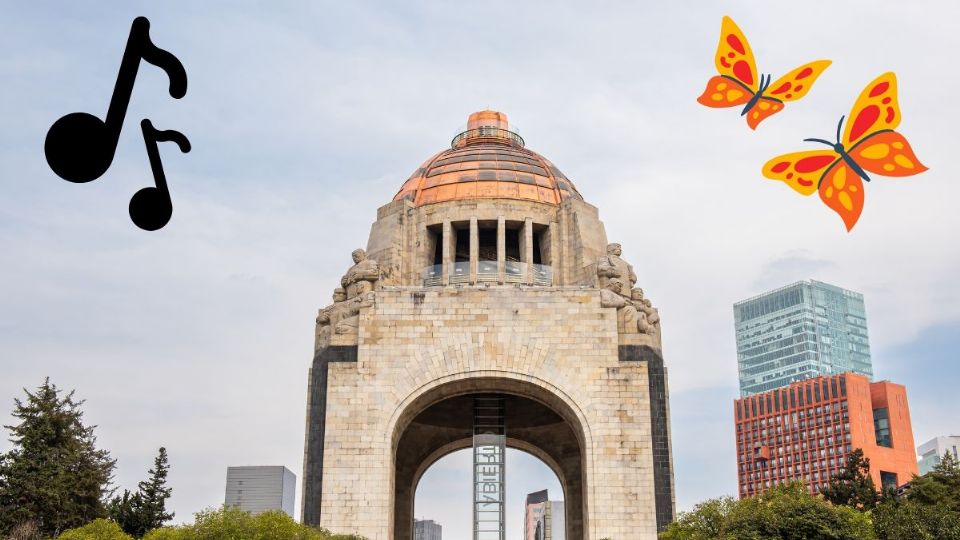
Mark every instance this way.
x=306 y=117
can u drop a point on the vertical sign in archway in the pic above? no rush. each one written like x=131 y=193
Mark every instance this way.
x=489 y=460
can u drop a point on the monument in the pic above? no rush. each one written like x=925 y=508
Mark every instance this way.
x=488 y=282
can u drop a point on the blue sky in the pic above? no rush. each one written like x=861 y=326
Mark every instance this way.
x=305 y=118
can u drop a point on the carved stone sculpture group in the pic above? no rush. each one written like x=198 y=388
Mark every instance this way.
x=356 y=291
x=635 y=314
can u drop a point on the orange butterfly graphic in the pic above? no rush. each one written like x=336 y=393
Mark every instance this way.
x=869 y=144
x=738 y=83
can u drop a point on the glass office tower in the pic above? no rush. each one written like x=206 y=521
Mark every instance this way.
x=800 y=331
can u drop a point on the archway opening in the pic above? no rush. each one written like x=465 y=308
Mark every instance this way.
x=539 y=424
x=444 y=496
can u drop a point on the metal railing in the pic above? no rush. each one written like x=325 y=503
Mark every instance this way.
x=433 y=276
x=515 y=272
x=542 y=275
x=487 y=132
x=460 y=272
x=487 y=272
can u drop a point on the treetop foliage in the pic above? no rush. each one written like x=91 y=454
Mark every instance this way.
x=54 y=477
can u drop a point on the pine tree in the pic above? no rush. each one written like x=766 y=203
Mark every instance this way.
x=939 y=486
x=145 y=510
x=123 y=510
x=154 y=493
x=54 y=476
x=853 y=486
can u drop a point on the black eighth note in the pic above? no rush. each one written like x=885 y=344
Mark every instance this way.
x=80 y=147
x=151 y=207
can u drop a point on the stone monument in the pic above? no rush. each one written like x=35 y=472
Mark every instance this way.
x=488 y=277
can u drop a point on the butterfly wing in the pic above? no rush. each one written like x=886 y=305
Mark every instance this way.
x=842 y=191
x=734 y=57
x=801 y=171
x=876 y=109
x=797 y=83
x=887 y=153
x=724 y=92
x=765 y=108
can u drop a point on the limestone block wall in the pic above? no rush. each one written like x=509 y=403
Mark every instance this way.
x=559 y=338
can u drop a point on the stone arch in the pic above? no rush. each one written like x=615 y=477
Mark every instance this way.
x=431 y=422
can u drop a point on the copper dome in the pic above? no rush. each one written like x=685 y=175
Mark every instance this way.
x=487 y=161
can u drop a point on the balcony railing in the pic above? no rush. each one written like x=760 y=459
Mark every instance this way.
x=433 y=276
x=460 y=272
x=486 y=133
x=515 y=272
x=487 y=272
x=542 y=275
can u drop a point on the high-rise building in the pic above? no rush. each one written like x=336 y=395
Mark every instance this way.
x=931 y=451
x=543 y=519
x=257 y=489
x=427 y=529
x=807 y=430
x=803 y=330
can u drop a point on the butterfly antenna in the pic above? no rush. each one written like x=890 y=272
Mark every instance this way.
x=839 y=124
x=821 y=141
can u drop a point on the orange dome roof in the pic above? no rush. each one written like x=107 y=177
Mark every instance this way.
x=487 y=161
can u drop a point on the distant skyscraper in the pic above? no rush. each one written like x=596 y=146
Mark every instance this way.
x=931 y=451
x=807 y=430
x=800 y=331
x=261 y=488
x=543 y=519
x=427 y=529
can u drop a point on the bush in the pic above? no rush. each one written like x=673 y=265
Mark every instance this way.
x=233 y=523
x=98 y=529
x=786 y=512
x=908 y=519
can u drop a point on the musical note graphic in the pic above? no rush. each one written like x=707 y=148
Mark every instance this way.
x=151 y=207
x=80 y=147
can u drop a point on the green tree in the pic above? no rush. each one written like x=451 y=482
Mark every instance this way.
x=140 y=512
x=54 y=476
x=123 y=509
x=852 y=486
x=705 y=521
x=98 y=529
x=939 y=486
x=906 y=519
x=154 y=494
x=231 y=522
x=786 y=512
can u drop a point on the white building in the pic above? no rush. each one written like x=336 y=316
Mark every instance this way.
x=257 y=489
x=931 y=451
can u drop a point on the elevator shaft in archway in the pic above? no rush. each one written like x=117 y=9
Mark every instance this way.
x=489 y=467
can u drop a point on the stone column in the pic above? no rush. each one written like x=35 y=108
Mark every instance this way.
x=528 y=249
x=447 y=264
x=552 y=249
x=474 y=249
x=501 y=248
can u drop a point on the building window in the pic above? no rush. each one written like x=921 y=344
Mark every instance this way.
x=888 y=480
x=881 y=427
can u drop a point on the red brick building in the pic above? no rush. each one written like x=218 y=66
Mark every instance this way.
x=806 y=431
